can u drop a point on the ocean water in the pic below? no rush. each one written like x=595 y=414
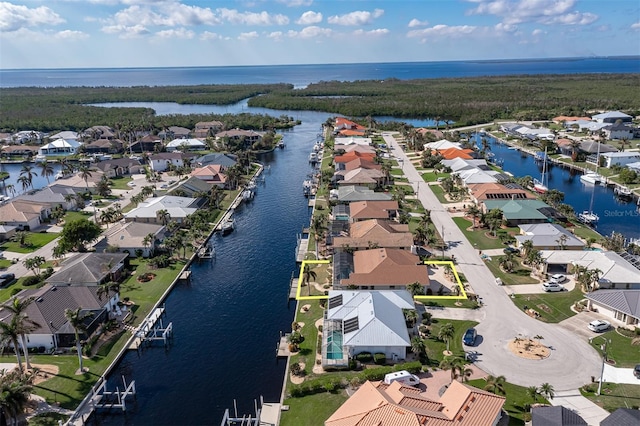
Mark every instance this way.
x=302 y=75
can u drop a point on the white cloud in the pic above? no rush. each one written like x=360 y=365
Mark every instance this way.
x=416 y=23
x=276 y=35
x=360 y=17
x=14 y=17
x=124 y=31
x=377 y=32
x=166 y=14
x=208 y=35
x=636 y=26
x=248 y=36
x=309 y=18
x=251 y=18
x=71 y=35
x=442 y=31
x=537 y=32
x=505 y=28
x=296 y=3
x=541 y=11
x=310 y=32
x=179 y=33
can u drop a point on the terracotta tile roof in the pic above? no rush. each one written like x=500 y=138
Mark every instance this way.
x=210 y=173
x=362 y=163
x=384 y=233
x=378 y=404
x=372 y=209
x=343 y=123
x=354 y=155
x=17 y=211
x=451 y=153
x=492 y=191
x=354 y=147
x=348 y=132
x=361 y=176
x=386 y=267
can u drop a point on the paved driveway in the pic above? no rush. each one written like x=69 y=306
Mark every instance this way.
x=619 y=375
x=577 y=324
x=504 y=321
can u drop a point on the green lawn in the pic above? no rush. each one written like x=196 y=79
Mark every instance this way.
x=433 y=177
x=552 y=307
x=520 y=274
x=619 y=348
x=71 y=215
x=613 y=395
x=4 y=264
x=585 y=233
x=517 y=398
x=35 y=240
x=312 y=410
x=121 y=183
x=436 y=347
x=450 y=303
x=439 y=193
x=479 y=237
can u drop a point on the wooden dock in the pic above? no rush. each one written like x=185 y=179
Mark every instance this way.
x=283 y=346
x=293 y=288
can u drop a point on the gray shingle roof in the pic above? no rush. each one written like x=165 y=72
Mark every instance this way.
x=626 y=301
x=86 y=268
x=555 y=416
x=622 y=417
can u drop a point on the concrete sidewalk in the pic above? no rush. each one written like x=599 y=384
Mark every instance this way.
x=574 y=401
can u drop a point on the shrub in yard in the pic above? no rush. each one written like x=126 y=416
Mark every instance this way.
x=426 y=315
x=364 y=357
x=296 y=369
x=353 y=364
x=380 y=359
x=413 y=367
x=374 y=373
x=31 y=280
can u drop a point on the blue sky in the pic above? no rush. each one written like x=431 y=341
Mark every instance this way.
x=155 y=33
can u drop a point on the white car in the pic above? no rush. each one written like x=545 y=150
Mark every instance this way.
x=557 y=278
x=132 y=183
x=599 y=325
x=552 y=287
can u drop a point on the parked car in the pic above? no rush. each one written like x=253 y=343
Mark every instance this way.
x=552 y=287
x=557 y=278
x=6 y=279
x=599 y=325
x=469 y=338
x=636 y=371
x=511 y=250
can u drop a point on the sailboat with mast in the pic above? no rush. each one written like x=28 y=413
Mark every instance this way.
x=593 y=178
x=589 y=217
x=540 y=186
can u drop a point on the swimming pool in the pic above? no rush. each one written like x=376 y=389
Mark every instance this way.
x=334 y=345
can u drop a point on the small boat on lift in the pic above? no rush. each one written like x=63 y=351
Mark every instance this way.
x=227 y=227
x=623 y=192
x=206 y=252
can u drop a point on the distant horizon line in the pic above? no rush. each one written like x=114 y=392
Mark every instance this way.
x=512 y=60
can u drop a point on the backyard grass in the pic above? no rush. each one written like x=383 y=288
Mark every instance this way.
x=34 y=241
x=312 y=410
x=619 y=348
x=436 y=347
x=613 y=395
x=552 y=307
x=520 y=274
x=517 y=399
x=479 y=237
x=585 y=233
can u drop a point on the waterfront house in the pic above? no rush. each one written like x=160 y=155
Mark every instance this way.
x=185 y=145
x=78 y=183
x=382 y=268
x=363 y=210
x=365 y=321
x=26 y=136
x=352 y=140
x=518 y=212
x=65 y=135
x=119 y=167
x=223 y=159
x=375 y=233
x=371 y=178
x=51 y=198
x=174 y=132
x=452 y=153
x=378 y=403
x=24 y=215
x=350 y=193
x=343 y=149
x=104 y=146
x=476 y=176
x=430 y=133
x=60 y=148
x=612 y=117
x=617 y=271
x=555 y=416
x=619 y=305
x=190 y=187
x=130 y=238
x=341 y=161
x=442 y=145
x=165 y=161
x=148 y=143
x=347 y=133
x=248 y=137
x=206 y=129
x=591 y=147
x=99 y=132
x=361 y=163
x=548 y=236
x=211 y=174
x=480 y=192
x=19 y=150
x=177 y=208
x=619 y=158
x=634 y=166
x=342 y=124
x=618 y=131
x=90 y=269
x=53 y=330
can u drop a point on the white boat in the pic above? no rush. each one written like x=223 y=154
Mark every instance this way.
x=281 y=145
x=540 y=186
x=588 y=217
x=623 y=192
x=591 y=178
x=227 y=226
x=206 y=252
x=313 y=157
x=247 y=195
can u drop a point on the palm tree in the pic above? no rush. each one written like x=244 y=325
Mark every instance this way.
x=85 y=174
x=27 y=172
x=15 y=391
x=420 y=234
x=458 y=367
x=410 y=317
x=496 y=384
x=547 y=390
x=417 y=346
x=446 y=333
x=318 y=227
x=386 y=172
x=507 y=262
x=415 y=288
x=45 y=170
x=106 y=216
x=308 y=274
x=12 y=189
x=25 y=325
x=533 y=393
x=76 y=320
x=9 y=333
x=148 y=241
x=474 y=212
x=163 y=216
x=106 y=287
x=527 y=247
x=25 y=182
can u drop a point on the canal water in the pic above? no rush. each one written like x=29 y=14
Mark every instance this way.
x=615 y=214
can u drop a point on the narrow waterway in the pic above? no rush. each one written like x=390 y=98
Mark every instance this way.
x=615 y=214
x=227 y=322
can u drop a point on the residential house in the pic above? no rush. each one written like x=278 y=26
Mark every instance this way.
x=7 y=232
x=53 y=330
x=591 y=147
x=148 y=143
x=174 y=132
x=90 y=269
x=343 y=149
x=619 y=305
x=340 y=161
x=433 y=133
x=377 y=403
x=622 y=417
x=375 y=233
x=100 y=132
x=342 y=124
x=612 y=117
x=79 y=184
x=371 y=178
x=524 y=131
x=352 y=140
x=619 y=158
x=618 y=131
x=66 y=135
x=165 y=160
x=178 y=208
x=349 y=193
x=363 y=210
x=60 y=148
x=19 y=150
x=634 y=166
x=555 y=416
x=459 y=164
x=27 y=136
x=617 y=272
x=548 y=236
x=382 y=268
x=104 y=146
x=442 y=144
x=565 y=146
x=24 y=215
x=361 y=163
x=130 y=238
x=452 y=153
x=206 y=129
x=480 y=192
x=212 y=174
x=475 y=176
x=50 y=198
x=190 y=188
x=365 y=321
x=518 y=212
x=225 y=160
x=585 y=125
x=248 y=136
x=185 y=145
x=348 y=133
x=120 y=167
